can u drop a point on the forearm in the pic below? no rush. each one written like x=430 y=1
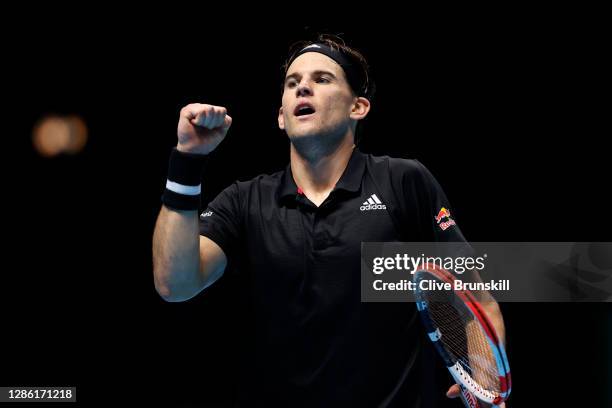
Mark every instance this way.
x=176 y=255
x=494 y=314
x=490 y=306
x=182 y=266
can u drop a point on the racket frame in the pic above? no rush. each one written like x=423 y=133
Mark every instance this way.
x=470 y=389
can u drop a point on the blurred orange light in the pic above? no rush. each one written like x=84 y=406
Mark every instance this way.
x=53 y=135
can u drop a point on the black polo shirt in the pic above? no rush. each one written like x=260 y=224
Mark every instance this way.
x=316 y=343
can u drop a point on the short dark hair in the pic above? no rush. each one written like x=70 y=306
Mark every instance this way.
x=367 y=88
x=335 y=42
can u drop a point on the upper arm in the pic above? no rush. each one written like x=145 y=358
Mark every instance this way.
x=212 y=261
x=220 y=233
x=439 y=218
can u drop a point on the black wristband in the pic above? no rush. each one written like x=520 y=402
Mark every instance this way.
x=183 y=186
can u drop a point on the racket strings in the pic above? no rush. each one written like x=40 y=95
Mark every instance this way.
x=466 y=342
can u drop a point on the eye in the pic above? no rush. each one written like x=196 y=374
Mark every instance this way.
x=291 y=83
x=323 y=80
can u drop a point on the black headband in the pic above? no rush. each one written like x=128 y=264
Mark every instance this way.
x=354 y=72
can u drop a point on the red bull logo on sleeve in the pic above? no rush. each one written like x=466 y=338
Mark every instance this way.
x=444 y=213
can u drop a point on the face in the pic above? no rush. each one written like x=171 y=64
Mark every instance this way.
x=317 y=99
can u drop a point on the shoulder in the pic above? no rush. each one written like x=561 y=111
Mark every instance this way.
x=241 y=193
x=407 y=175
x=258 y=186
x=396 y=166
x=260 y=182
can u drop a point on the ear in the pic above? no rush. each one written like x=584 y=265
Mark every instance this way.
x=281 y=119
x=360 y=109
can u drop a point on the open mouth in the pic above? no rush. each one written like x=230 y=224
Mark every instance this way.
x=304 y=109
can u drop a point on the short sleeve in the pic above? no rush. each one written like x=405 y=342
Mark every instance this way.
x=438 y=221
x=222 y=220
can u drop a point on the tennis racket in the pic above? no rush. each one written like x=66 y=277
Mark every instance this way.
x=464 y=337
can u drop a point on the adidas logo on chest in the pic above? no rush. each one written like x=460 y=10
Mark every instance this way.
x=372 y=203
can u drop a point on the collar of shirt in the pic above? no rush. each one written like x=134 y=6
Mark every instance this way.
x=349 y=181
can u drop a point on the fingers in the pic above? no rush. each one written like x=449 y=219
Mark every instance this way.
x=190 y=111
x=453 y=391
x=218 y=117
x=227 y=122
x=207 y=116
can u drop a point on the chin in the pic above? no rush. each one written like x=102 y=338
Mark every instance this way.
x=313 y=145
x=302 y=133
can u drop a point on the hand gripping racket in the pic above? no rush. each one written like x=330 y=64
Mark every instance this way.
x=465 y=338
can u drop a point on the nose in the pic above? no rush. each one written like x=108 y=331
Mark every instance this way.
x=303 y=89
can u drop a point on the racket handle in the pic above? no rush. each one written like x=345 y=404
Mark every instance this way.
x=469 y=399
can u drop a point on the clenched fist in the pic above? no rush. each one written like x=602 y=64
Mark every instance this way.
x=202 y=127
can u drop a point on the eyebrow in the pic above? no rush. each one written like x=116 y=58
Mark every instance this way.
x=319 y=72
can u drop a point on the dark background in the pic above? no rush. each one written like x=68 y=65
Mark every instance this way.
x=506 y=111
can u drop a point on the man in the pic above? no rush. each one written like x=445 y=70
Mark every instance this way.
x=296 y=235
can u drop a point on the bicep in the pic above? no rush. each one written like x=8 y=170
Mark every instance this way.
x=212 y=261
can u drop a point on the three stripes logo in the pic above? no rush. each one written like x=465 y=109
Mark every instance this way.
x=373 y=203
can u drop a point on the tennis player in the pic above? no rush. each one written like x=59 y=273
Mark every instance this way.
x=295 y=237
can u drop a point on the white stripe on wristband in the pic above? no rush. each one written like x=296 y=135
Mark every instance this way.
x=183 y=189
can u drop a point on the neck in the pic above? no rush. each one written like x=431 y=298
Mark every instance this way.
x=317 y=175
